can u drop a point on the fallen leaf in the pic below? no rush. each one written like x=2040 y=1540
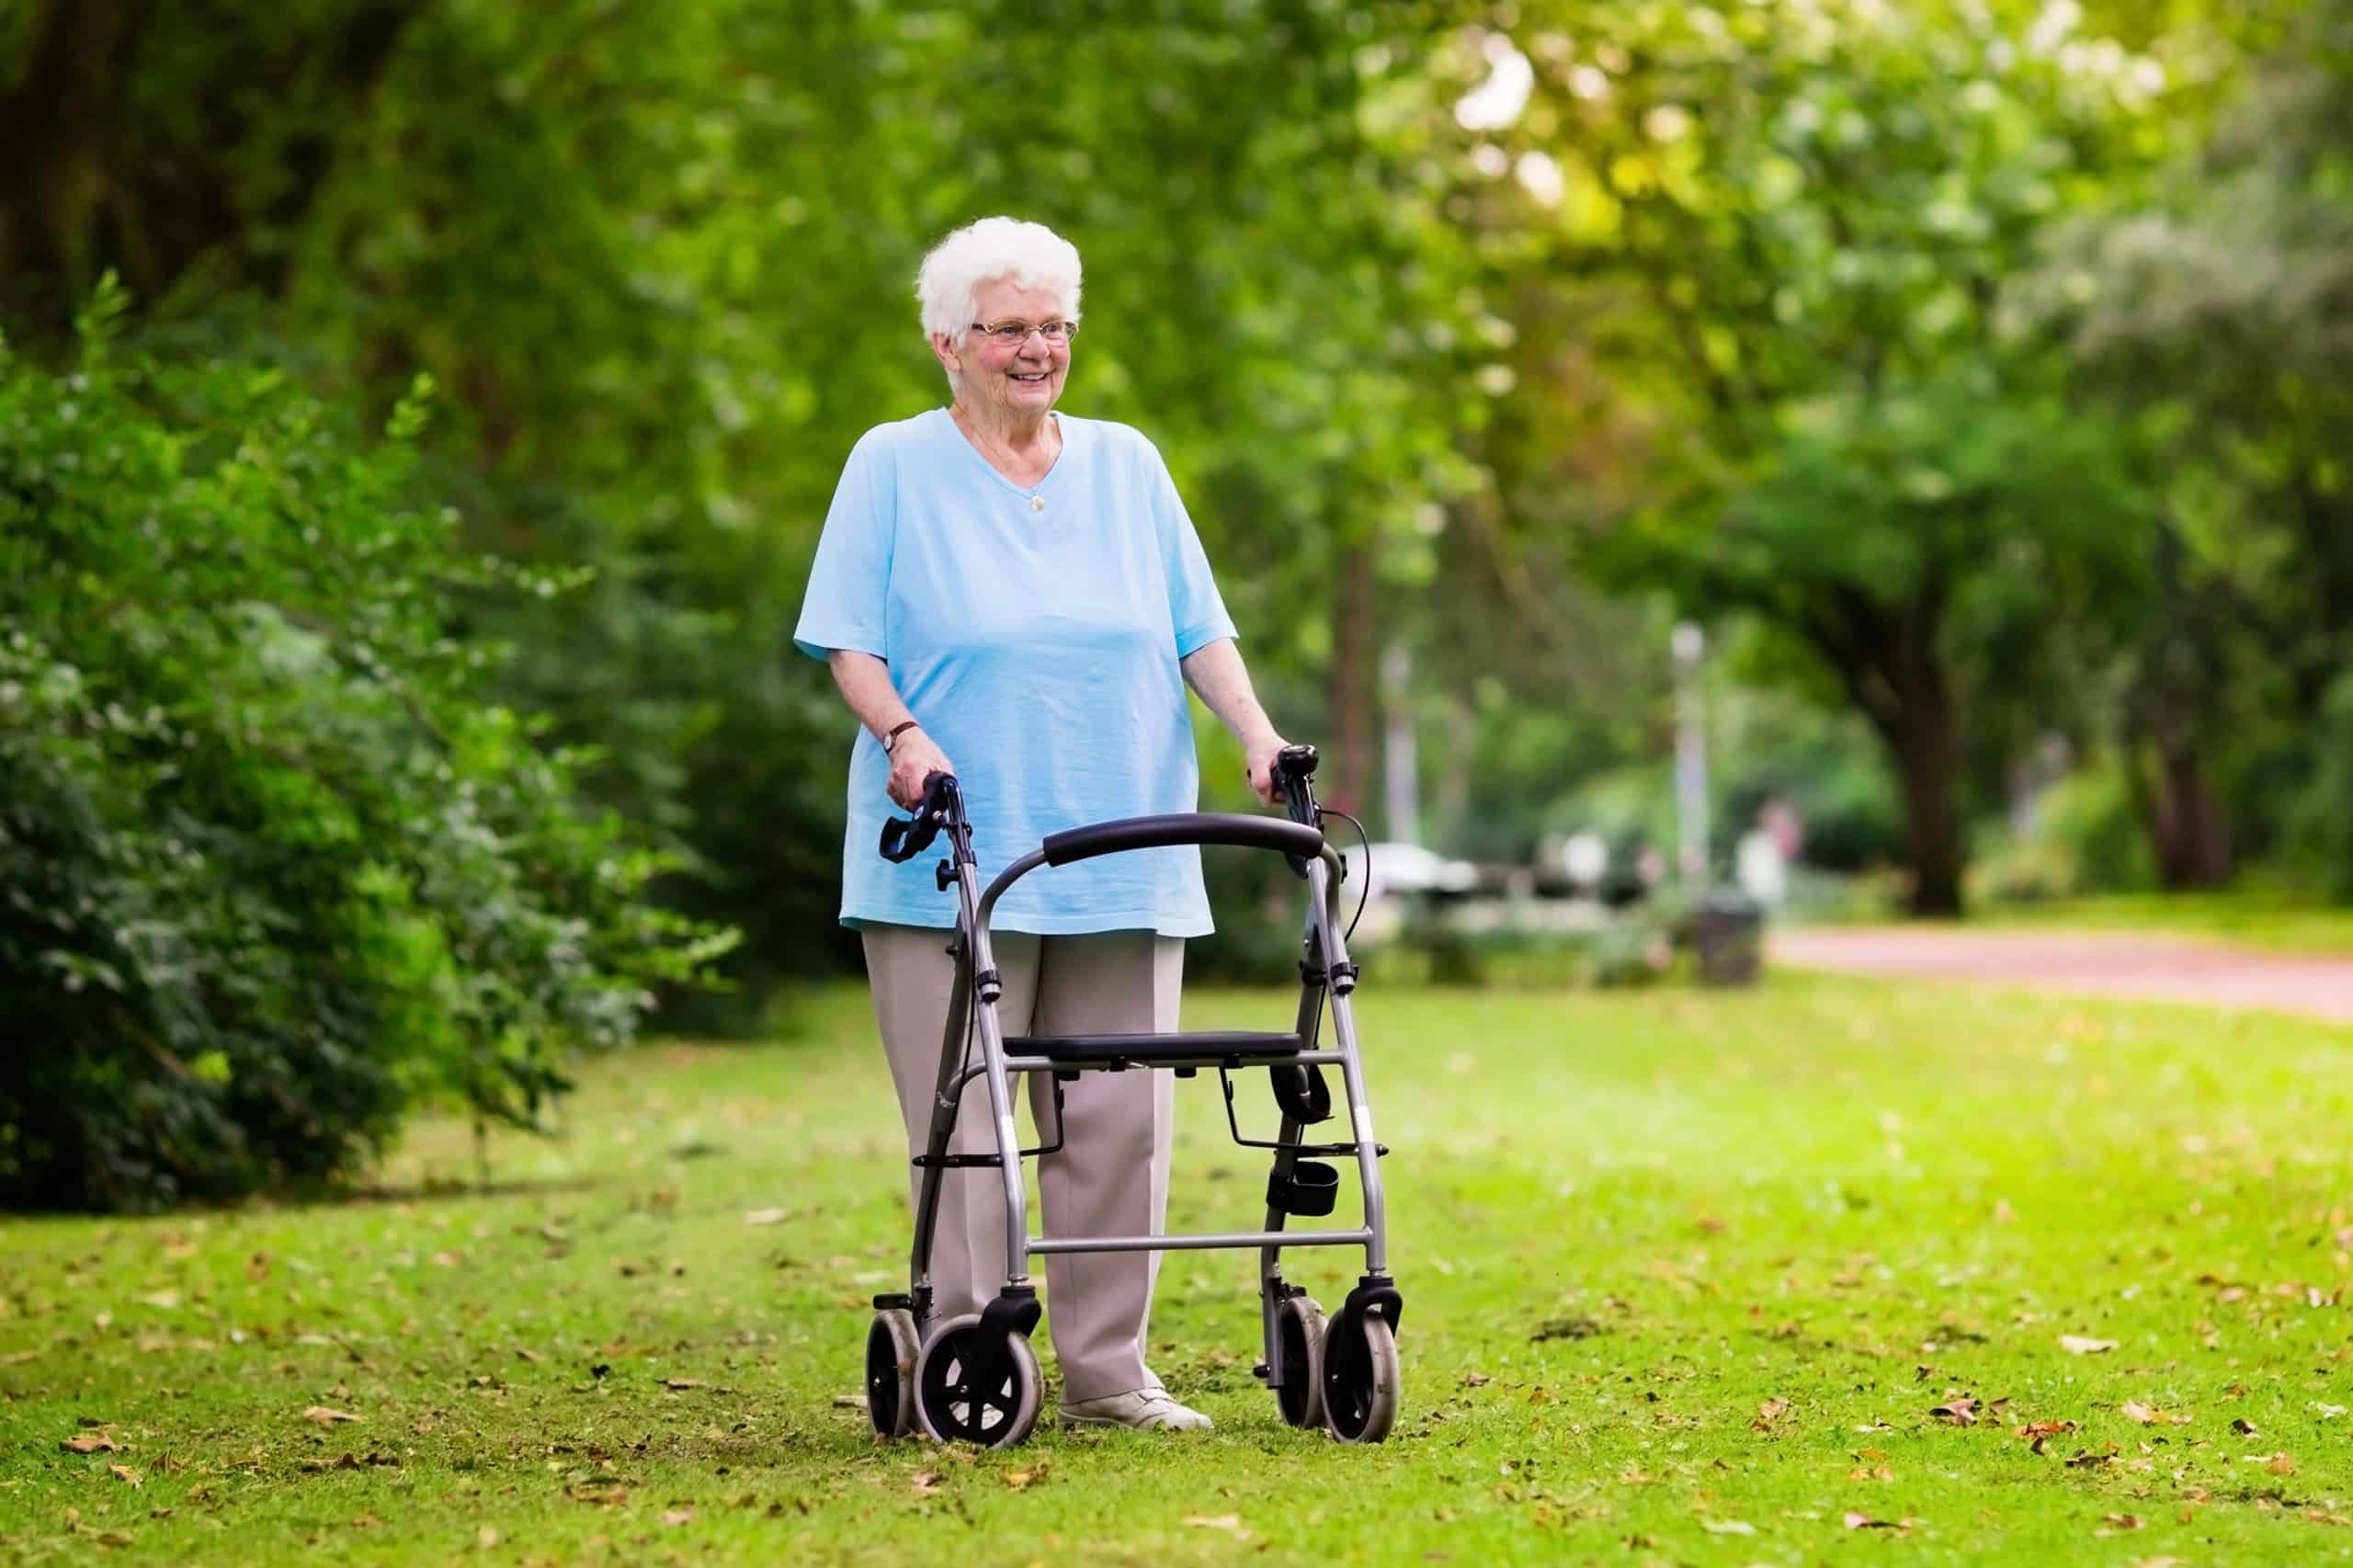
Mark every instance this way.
x=2133 y=1410
x=2038 y=1433
x=325 y=1418
x=1214 y=1521
x=1772 y=1410
x=1855 y=1519
x=849 y=1402
x=2242 y=1426
x=925 y=1483
x=2079 y=1344
x=1021 y=1480
x=1566 y=1328
x=2281 y=1464
x=486 y=1538
x=680 y=1385
x=448 y=1259
x=111 y=1538
x=1960 y=1410
x=1727 y=1527
x=2086 y=1460
x=1476 y=1379
x=2123 y=1521
x=765 y=1216
x=89 y=1443
x=677 y=1516
x=123 y=1472
x=163 y=1299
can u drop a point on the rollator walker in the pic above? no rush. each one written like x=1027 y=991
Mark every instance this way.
x=974 y=1378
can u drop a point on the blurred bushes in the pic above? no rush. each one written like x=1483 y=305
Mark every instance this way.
x=2087 y=836
x=271 y=869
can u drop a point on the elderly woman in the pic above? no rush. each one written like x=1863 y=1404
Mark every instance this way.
x=1017 y=596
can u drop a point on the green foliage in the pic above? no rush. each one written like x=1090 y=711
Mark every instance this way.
x=271 y=869
x=2320 y=829
x=2087 y=837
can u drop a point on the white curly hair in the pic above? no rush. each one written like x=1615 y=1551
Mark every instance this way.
x=1031 y=254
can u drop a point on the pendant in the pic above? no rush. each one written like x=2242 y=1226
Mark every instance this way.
x=1037 y=503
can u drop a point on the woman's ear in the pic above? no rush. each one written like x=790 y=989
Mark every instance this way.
x=944 y=347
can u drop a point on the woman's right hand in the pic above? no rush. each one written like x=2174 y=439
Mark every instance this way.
x=913 y=760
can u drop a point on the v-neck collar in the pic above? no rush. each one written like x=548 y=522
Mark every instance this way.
x=1028 y=492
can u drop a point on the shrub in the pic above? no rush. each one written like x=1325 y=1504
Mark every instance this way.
x=270 y=868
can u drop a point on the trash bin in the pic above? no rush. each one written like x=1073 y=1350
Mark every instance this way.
x=1728 y=935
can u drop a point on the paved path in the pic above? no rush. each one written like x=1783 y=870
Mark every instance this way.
x=2123 y=964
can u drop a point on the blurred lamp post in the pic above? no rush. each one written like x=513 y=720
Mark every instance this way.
x=1690 y=756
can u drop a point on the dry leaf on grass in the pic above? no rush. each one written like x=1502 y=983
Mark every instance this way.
x=765 y=1216
x=1772 y=1410
x=123 y=1472
x=2040 y=1433
x=486 y=1536
x=677 y=1516
x=1476 y=1379
x=1022 y=1480
x=89 y=1443
x=2133 y=1410
x=2242 y=1426
x=2123 y=1521
x=925 y=1483
x=1215 y=1521
x=849 y=1402
x=1727 y=1527
x=1855 y=1519
x=1958 y=1410
x=2081 y=1345
x=325 y=1418
x=680 y=1385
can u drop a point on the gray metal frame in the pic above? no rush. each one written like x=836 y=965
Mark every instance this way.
x=1327 y=952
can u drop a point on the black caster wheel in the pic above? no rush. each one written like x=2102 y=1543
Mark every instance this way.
x=953 y=1409
x=1360 y=1379
x=891 y=1346
x=1299 y=1330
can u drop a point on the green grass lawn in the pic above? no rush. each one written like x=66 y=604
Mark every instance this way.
x=2261 y=921
x=1688 y=1277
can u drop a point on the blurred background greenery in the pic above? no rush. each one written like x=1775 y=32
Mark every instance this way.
x=397 y=566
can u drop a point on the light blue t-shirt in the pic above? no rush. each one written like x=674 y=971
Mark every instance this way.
x=1035 y=634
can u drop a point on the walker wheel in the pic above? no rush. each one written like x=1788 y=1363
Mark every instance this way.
x=1360 y=1379
x=951 y=1405
x=1299 y=1331
x=891 y=1346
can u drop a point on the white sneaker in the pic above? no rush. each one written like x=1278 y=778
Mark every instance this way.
x=1145 y=1410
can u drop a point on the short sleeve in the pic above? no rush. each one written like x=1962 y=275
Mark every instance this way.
x=1195 y=607
x=846 y=604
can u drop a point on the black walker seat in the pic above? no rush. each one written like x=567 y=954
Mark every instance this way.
x=973 y=1377
x=1233 y=1048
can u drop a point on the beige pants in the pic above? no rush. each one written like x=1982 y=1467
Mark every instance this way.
x=1111 y=1176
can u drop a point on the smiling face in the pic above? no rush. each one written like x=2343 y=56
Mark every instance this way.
x=1018 y=383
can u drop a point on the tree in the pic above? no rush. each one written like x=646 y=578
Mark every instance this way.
x=1787 y=231
x=2218 y=313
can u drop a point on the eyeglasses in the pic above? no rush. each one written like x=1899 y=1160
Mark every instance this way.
x=1014 y=333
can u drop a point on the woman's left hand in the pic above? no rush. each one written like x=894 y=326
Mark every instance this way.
x=1259 y=761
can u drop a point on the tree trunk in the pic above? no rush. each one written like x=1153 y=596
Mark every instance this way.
x=2186 y=824
x=1347 y=780
x=1925 y=745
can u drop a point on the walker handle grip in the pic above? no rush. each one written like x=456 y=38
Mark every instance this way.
x=1182 y=827
x=903 y=840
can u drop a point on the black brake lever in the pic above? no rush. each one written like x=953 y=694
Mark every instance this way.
x=903 y=840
